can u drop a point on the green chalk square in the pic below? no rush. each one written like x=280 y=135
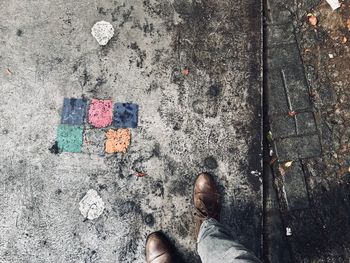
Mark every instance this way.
x=70 y=138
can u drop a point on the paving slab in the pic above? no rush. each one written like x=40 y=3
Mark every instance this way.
x=193 y=67
x=313 y=189
x=295 y=186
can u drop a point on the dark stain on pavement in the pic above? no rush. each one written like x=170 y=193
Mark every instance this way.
x=210 y=162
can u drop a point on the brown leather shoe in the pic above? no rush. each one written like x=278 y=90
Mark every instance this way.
x=159 y=249
x=206 y=199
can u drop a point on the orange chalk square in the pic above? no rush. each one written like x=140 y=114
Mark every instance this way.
x=117 y=141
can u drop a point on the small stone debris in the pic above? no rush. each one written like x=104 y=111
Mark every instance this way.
x=92 y=205
x=288 y=231
x=102 y=31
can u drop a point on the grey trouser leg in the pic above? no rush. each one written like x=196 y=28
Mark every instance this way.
x=217 y=245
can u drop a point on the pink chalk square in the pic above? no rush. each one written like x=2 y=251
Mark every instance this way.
x=100 y=113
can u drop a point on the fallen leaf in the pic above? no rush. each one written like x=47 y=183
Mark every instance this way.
x=312 y=19
x=139 y=174
x=269 y=136
x=282 y=171
x=186 y=71
x=288 y=164
x=8 y=71
x=292 y=113
x=344 y=40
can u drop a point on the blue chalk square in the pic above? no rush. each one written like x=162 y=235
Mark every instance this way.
x=73 y=111
x=125 y=115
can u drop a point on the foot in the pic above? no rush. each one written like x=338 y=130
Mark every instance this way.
x=159 y=249
x=206 y=199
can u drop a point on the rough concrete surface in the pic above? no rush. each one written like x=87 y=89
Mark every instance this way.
x=207 y=119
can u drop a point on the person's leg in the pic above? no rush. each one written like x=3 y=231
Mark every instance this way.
x=215 y=242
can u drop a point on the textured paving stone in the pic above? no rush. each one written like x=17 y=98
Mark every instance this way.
x=306 y=122
x=69 y=138
x=73 y=111
x=283 y=126
x=280 y=34
x=296 y=87
x=295 y=187
x=277 y=98
x=100 y=113
x=284 y=57
x=293 y=148
x=125 y=115
x=277 y=12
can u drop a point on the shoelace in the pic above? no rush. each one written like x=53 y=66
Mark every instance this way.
x=205 y=213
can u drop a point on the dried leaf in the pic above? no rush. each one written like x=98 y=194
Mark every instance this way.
x=292 y=113
x=288 y=164
x=281 y=170
x=269 y=136
x=8 y=71
x=312 y=19
x=139 y=174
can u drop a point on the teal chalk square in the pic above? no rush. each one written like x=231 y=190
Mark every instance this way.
x=70 y=138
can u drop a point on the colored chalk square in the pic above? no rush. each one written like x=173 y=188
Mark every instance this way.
x=100 y=113
x=117 y=141
x=125 y=115
x=73 y=111
x=69 y=138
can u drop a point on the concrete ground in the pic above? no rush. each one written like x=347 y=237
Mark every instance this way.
x=206 y=119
